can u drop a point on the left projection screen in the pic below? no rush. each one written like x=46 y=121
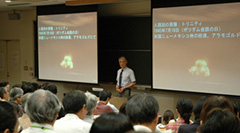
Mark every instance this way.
x=67 y=47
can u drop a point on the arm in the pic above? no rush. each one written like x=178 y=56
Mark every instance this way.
x=128 y=86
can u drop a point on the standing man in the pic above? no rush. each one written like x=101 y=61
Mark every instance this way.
x=125 y=78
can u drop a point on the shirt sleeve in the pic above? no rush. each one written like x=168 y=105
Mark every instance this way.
x=132 y=77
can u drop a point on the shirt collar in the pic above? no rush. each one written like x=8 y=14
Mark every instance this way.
x=124 y=68
x=50 y=127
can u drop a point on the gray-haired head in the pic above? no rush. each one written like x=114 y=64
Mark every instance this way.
x=15 y=93
x=25 y=98
x=91 y=103
x=142 y=108
x=42 y=107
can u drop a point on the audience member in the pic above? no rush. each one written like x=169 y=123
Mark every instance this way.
x=102 y=106
x=8 y=118
x=142 y=110
x=17 y=85
x=4 y=96
x=123 y=108
x=5 y=84
x=111 y=123
x=27 y=87
x=74 y=104
x=91 y=105
x=16 y=97
x=236 y=108
x=109 y=104
x=192 y=128
x=42 y=107
x=25 y=121
x=215 y=102
x=35 y=86
x=53 y=88
x=168 y=116
x=184 y=111
x=221 y=121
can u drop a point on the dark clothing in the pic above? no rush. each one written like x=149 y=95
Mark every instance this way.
x=190 y=128
x=102 y=108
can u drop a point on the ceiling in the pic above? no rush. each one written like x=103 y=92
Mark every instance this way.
x=106 y=7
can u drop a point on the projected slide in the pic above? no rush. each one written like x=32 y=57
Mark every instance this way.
x=196 y=48
x=67 y=47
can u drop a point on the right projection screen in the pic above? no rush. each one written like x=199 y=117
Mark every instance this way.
x=197 y=48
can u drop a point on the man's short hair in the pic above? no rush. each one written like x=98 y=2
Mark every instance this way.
x=42 y=106
x=28 y=87
x=103 y=95
x=74 y=101
x=91 y=103
x=3 y=83
x=3 y=90
x=8 y=117
x=52 y=88
x=15 y=93
x=122 y=57
x=25 y=98
x=142 y=108
x=198 y=107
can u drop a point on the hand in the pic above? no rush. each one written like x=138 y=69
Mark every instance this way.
x=121 y=90
x=117 y=89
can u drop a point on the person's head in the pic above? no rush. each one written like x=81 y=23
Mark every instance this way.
x=123 y=109
x=5 y=84
x=28 y=87
x=184 y=109
x=17 y=85
x=25 y=98
x=198 y=107
x=122 y=61
x=167 y=116
x=4 y=93
x=104 y=95
x=35 y=85
x=42 y=107
x=143 y=109
x=8 y=118
x=214 y=102
x=221 y=121
x=91 y=103
x=52 y=88
x=16 y=95
x=235 y=107
x=75 y=102
x=111 y=123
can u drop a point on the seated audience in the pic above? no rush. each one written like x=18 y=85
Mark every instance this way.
x=102 y=106
x=184 y=111
x=109 y=104
x=28 y=87
x=123 y=109
x=74 y=104
x=25 y=121
x=214 y=102
x=35 y=86
x=111 y=123
x=4 y=96
x=168 y=116
x=192 y=128
x=142 y=110
x=42 y=107
x=5 y=84
x=8 y=118
x=91 y=105
x=221 y=121
x=16 y=97
x=53 y=88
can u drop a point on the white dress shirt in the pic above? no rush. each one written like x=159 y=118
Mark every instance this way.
x=113 y=107
x=71 y=123
x=127 y=76
x=141 y=128
x=39 y=128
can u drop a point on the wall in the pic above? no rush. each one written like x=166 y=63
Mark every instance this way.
x=23 y=30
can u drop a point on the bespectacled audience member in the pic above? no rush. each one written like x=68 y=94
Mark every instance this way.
x=192 y=128
x=221 y=121
x=184 y=110
x=53 y=88
x=91 y=105
x=4 y=95
x=102 y=106
x=214 y=102
x=142 y=110
x=25 y=121
x=74 y=104
x=42 y=107
x=168 y=116
x=8 y=118
x=111 y=123
x=16 y=97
